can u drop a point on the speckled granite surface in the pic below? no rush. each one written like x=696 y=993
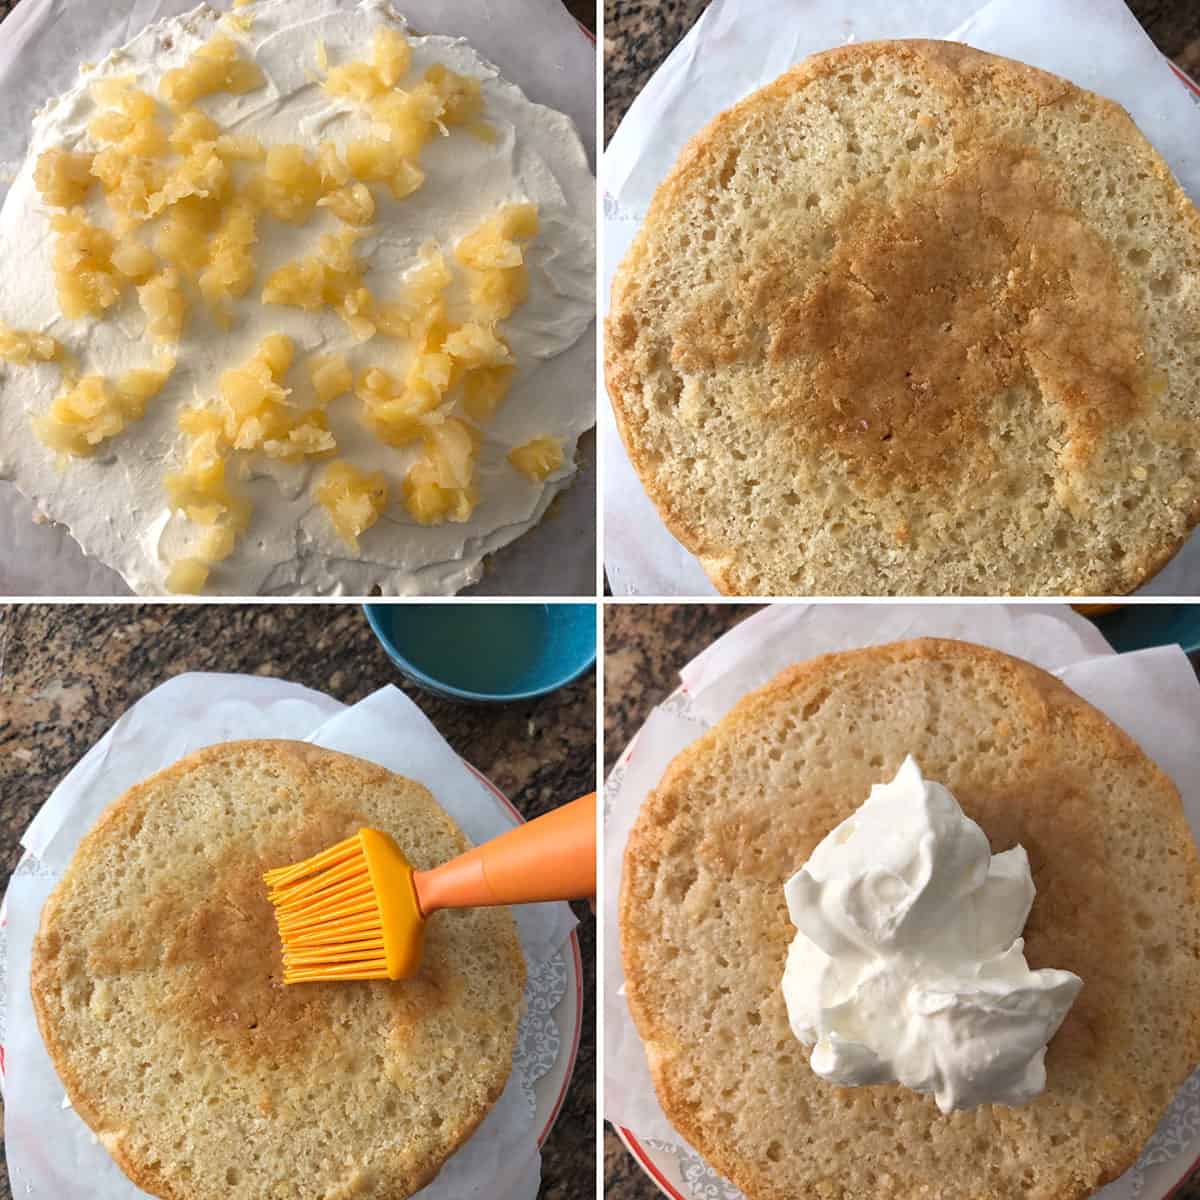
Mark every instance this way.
x=67 y=672
x=644 y=648
x=639 y=34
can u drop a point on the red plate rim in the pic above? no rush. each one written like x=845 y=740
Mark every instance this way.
x=1187 y=80
x=578 y=959
x=643 y=1160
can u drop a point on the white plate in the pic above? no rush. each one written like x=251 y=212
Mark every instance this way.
x=549 y=1089
x=1168 y=1160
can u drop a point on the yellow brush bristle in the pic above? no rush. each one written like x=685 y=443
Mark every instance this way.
x=328 y=916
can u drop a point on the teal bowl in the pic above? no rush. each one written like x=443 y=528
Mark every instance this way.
x=487 y=653
x=1138 y=626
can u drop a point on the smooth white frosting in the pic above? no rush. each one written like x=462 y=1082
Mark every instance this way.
x=908 y=964
x=114 y=503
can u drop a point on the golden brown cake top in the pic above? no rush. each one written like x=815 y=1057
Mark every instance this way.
x=910 y=320
x=705 y=930
x=157 y=981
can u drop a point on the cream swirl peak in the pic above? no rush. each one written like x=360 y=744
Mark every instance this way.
x=908 y=964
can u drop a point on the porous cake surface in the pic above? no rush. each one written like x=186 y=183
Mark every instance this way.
x=915 y=319
x=157 y=984
x=705 y=930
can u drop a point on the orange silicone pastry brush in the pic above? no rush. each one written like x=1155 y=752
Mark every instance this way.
x=358 y=909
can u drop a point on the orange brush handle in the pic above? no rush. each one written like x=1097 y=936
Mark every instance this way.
x=551 y=858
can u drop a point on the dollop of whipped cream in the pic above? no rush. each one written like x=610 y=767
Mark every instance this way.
x=908 y=964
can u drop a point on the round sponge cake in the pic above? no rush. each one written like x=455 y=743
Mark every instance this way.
x=157 y=984
x=705 y=930
x=915 y=319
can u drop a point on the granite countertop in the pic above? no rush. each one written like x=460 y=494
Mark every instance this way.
x=67 y=672
x=644 y=648
x=639 y=34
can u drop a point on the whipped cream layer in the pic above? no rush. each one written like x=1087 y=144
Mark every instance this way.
x=114 y=503
x=908 y=964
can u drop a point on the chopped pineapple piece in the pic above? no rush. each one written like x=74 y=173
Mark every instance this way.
x=440 y=486
x=93 y=410
x=110 y=92
x=353 y=499
x=354 y=204
x=406 y=180
x=425 y=282
x=498 y=293
x=133 y=260
x=392 y=54
x=408 y=119
x=81 y=418
x=430 y=503
x=165 y=306
x=256 y=412
x=215 y=67
x=452 y=447
x=334 y=172
x=231 y=267
x=462 y=100
x=21 y=348
x=395 y=414
x=309 y=438
x=538 y=458
x=187 y=576
x=496 y=258
x=140 y=385
x=131 y=184
x=289 y=184
x=83 y=270
x=241 y=148
x=298 y=284
x=356 y=81
x=418 y=307
x=392 y=319
x=496 y=242
x=255 y=403
x=203 y=174
x=218 y=543
x=476 y=345
x=377 y=160
x=332 y=278
x=63 y=178
x=182 y=238
x=239 y=22
x=331 y=376
x=200 y=422
x=191 y=128
x=484 y=389
x=200 y=489
x=430 y=373
x=130 y=118
x=278 y=352
x=363 y=81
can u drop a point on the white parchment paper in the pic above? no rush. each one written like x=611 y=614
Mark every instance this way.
x=535 y=43
x=1152 y=694
x=738 y=46
x=52 y=1155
